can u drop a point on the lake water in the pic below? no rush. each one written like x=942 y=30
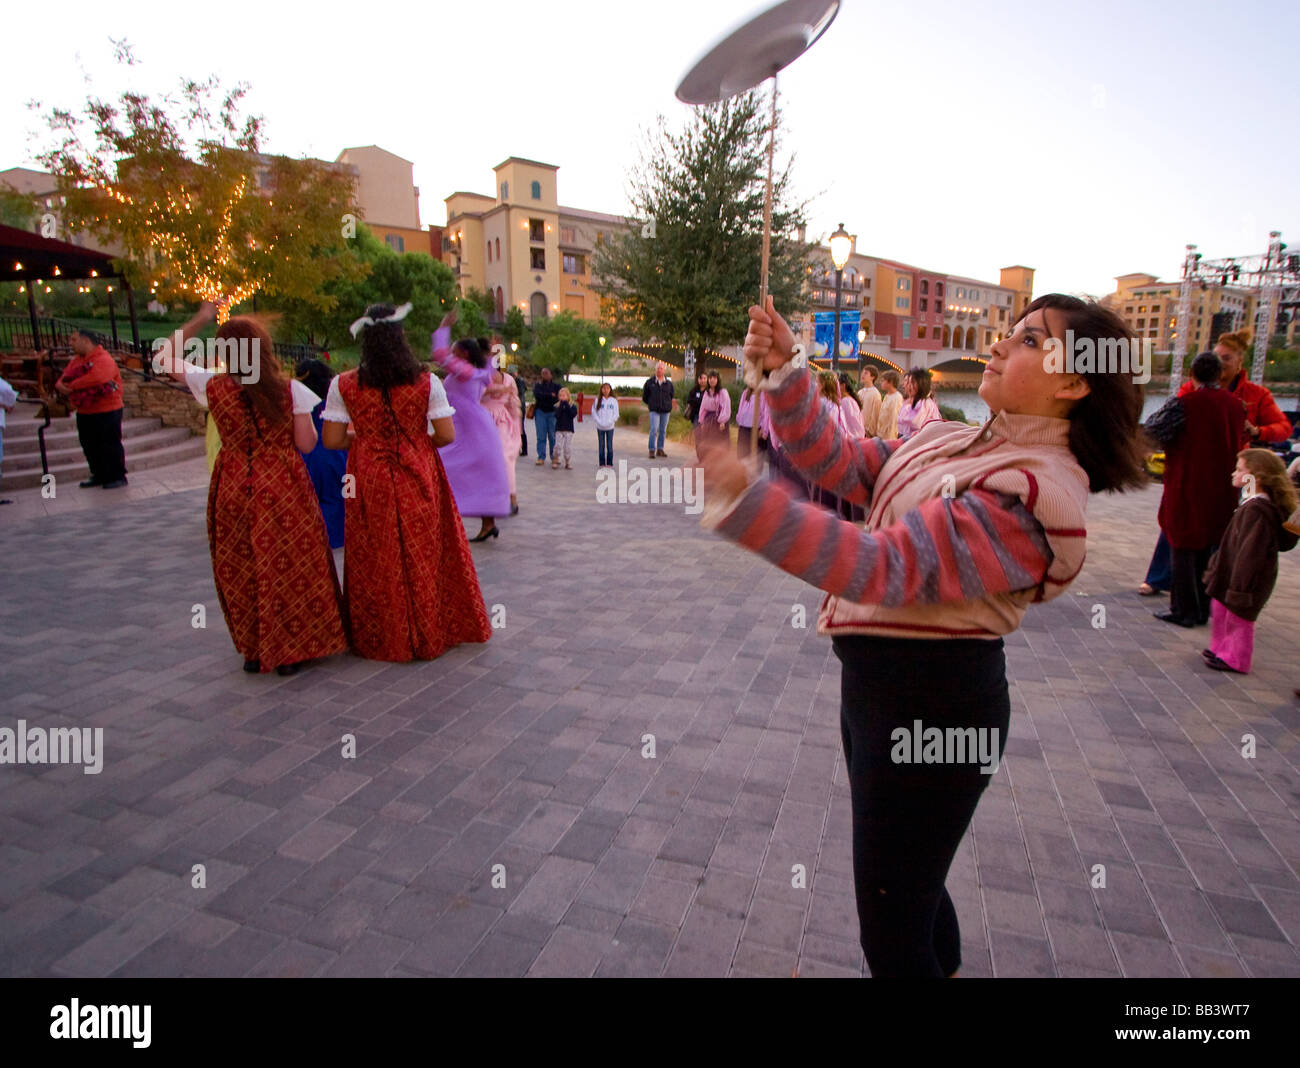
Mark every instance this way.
x=976 y=411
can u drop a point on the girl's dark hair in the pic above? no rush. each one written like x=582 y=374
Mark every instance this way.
x=921 y=377
x=472 y=351
x=314 y=374
x=386 y=357
x=1207 y=367
x=1104 y=425
x=269 y=395
x=710 y=389
x=847 y=383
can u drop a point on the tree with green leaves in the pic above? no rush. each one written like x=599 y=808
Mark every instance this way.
x=514 y=328
x=688 y=267
x=16 y=209
x=563 y=341
x=383 y=276
x=182 y=183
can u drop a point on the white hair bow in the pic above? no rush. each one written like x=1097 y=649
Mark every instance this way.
x=396 y=317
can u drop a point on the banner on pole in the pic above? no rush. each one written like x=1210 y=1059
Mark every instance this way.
x=824 y=326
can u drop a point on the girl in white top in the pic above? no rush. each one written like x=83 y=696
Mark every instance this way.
x=605 y=412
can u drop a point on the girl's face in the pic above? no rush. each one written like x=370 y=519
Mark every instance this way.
x=909 y=387
x=713 y=382
x=1016 y=380
x=702 y=380
x=1241 y=475
x=564 y=394
x=606 y=391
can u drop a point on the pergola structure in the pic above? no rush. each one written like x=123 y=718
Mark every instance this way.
x=31 y=259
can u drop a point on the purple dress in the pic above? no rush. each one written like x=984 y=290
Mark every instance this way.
x=475 y=465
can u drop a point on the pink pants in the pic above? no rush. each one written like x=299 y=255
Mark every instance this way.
x=1233 y=638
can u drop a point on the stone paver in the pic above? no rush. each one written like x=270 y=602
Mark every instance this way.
x=501 y=818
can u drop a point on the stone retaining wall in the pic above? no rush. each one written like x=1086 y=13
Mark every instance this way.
x=160 y=400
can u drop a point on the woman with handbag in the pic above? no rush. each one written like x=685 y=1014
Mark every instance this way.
x=92 y=383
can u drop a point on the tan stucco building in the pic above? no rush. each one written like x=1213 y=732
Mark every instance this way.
x=1150 y=308
x=522 y=247
x=388 y=198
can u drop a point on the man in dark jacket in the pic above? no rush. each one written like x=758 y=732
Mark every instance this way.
x=1198 y=498
x=657 y=395
x=546 y=393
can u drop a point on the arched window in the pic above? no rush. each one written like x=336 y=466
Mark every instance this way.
x=498 y=248
x=925 y=287
x=947 y=336
x=537 y=306
x=489 y=252
x=537 y=190
x=970 y=338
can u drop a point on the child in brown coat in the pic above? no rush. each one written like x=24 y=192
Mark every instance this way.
x=1243 y=570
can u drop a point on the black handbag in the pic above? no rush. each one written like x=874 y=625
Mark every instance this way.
x=1165 y=425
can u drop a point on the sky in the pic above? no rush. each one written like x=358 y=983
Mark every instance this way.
x=1084 y=139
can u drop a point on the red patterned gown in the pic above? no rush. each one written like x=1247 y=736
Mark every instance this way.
x=409 y=581
x=271 y=557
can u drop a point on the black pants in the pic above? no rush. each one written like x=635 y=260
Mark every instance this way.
x=101 y=440
x=909 y=818
x=1187 y=597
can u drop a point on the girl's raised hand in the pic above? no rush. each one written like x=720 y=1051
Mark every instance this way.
x=769 y=344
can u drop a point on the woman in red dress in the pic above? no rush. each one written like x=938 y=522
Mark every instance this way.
x=409 y=580
x=271 y=557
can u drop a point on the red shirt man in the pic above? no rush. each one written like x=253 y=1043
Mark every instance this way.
x=93 y=385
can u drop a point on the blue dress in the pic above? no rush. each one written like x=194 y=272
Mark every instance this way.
x=326 y=467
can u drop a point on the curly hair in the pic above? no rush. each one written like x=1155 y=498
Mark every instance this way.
x=386 y=357
x=1270 y=477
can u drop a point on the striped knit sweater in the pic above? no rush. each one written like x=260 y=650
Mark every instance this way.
x=966 y=526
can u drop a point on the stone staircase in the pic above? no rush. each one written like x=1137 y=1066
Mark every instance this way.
x=147 y=442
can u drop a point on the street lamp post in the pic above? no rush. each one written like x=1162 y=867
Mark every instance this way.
x=862 y=340
x=602 y=361
x=841 y=243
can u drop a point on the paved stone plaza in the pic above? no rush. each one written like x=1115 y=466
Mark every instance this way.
x=620 y=621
